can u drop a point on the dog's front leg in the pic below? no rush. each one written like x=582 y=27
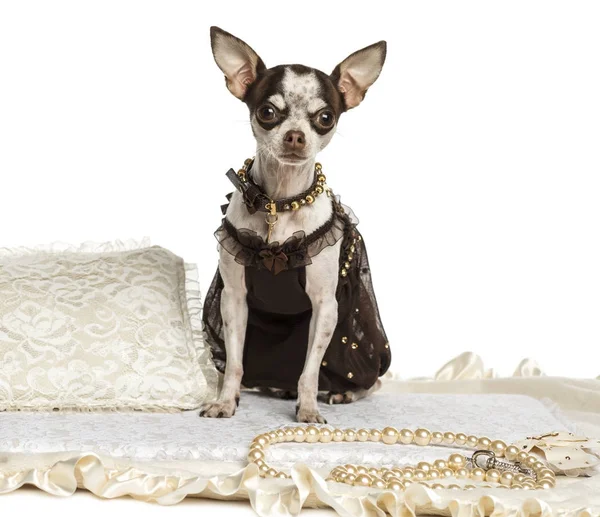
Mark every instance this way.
x=234 y=311
x=321 y=284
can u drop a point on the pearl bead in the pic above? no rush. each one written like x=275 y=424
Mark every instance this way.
x=478 y=474
x=349 y=435
x=326 y=435
x=498 y=447
x=273 y=436
x=511 y=452
x=420 y=475
x=507 y=478
x=453 y=487
x=449 y=438
x=538 y=465
x=522 y=456
x=437 y=437
x=406 y=436
x=422 y=437
x=462 y=473
x=374 y=472
x=362 y=435
x=362 y=470
x=259 y=463
x=351 y=469
x=363 y=480
x=374 y=435
x=461 y=438
x=519 y=478
x=440 y=464
x=261 y=439
x=546 y=475
x=407 y=483
x=312 y=434
x=256 y=454
x=484 y=443
x=379 y=483
x=389 y=436
x=300 y=434
x=338 y=435
x=264 y=468
x=493 y=476
x=408 y=474
x=472 y=441
x=434 y=474
x=424 y=466
x=272 y=472
x=545 y=484
x=447 y=473
x=516 y=486
x=437 y=486
x=282 y=475
x=457 y=461
x=280 y=435
x=531 y=461
x=350 y=478
x=289 y=434
x=396 y=486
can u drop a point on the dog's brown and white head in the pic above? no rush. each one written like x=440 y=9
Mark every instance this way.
x=294 y=109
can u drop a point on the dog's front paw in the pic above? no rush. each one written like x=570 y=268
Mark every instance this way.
x=221 y=409
x=341 y=398
x=309 y=416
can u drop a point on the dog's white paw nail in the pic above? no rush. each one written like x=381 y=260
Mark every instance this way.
x=219 y=409
x=310 y=417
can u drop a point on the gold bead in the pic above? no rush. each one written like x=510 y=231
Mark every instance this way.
x=498 y=447
x=449 y=438
x=318 y=166
x=374 y=435
x=322 y=178
x=350 y=375
x=511 y=452
x=313 y=434
x=461 y=438
x=319 y=189
x=507 y=478
x=422 y=437
x=493 y=476
x=310 y=199
x=440 y=464
x=484 y=443
x=362 y=435
x=248 y=161
x=344 y=340
x=437 y=437
x=456 y=461
x=354 y=346
x=300 y=434
x=338 y=435
x=478 y=474
x=295 y=205
x=324 y=363
x=325 y=435
x=343 y=272
x=303 y=201
x=347 y=265
x=406 y=436
x=389 y=435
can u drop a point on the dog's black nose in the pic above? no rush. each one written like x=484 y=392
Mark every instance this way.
x=294 y=140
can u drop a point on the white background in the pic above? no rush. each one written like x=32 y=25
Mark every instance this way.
x=473 y=163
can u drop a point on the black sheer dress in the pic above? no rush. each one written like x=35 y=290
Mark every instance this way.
x=279 y=309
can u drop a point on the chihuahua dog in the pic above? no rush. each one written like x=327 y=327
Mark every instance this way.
x=294 y=111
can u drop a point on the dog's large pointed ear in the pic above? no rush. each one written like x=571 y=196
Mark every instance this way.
x=355 y=74
x=236 y=59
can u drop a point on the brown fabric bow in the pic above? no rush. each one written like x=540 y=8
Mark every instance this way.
x=275 y=260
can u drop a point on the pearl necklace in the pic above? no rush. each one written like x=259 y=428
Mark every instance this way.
x=526 y=472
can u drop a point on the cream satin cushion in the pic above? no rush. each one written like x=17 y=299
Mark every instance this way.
x=112 y=326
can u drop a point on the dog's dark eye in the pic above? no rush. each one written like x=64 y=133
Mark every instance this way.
x=325 y=119
x=266 y=113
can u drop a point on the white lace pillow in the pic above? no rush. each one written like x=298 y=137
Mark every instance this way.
x=112 y=326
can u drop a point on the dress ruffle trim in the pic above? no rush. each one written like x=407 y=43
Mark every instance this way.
x=250 y=249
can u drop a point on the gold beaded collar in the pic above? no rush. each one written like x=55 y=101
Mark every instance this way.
x=256 y=200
